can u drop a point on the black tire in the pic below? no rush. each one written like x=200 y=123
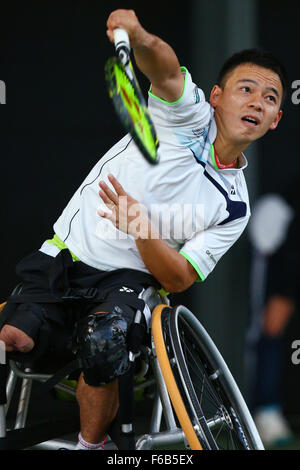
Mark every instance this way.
x=211 y=397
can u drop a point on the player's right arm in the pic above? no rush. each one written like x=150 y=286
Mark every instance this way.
x=154 y=57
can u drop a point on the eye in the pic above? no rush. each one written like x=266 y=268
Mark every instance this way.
x=271 y=98
x=246 y=89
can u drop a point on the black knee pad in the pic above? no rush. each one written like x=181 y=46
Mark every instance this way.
x=100 y=344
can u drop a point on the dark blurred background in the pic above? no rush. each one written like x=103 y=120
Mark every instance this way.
x=58 y=122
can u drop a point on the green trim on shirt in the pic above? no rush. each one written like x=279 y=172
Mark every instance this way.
x=212 y=154
x=213 y=157
x=61 y=245
x=201 y=275
x=183 y=69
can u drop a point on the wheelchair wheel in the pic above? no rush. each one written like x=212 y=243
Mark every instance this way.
x=209 y=406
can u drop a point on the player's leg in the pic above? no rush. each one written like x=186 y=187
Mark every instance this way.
x=97 y=392
x=98 y=408
x=15 y=339
x=98 y=404
x=19 y=326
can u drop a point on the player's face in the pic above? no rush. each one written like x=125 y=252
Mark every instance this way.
x=249 y=104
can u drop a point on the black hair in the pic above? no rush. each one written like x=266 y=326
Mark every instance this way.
x=258 y=57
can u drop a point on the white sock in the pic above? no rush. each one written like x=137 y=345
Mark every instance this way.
x=83 y=445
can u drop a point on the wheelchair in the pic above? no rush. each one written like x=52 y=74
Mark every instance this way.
x=196 y=404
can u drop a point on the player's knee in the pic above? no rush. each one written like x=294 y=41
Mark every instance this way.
x=15 y=339
x=101 y=347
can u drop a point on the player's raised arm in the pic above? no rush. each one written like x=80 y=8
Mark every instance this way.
x=154 y=57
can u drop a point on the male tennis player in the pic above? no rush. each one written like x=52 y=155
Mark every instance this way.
x=137 y=232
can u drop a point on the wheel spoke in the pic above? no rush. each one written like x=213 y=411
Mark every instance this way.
x=203 y=386
x=195 y=367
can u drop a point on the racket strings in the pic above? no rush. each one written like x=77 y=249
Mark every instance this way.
x=131 y=108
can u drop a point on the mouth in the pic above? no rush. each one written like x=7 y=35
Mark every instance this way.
x=251 y=121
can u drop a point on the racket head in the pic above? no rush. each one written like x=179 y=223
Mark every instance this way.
x=131 y=108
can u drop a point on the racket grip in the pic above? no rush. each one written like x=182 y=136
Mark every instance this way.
x=122 y=44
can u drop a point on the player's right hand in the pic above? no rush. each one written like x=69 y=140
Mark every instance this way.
x=127 y=20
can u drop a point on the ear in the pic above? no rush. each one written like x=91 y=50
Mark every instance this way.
x=215 y=94
x=276 y=120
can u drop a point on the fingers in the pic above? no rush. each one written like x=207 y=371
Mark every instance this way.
x=121 y=18
x=119 y=203
x=110 y=35
x=107 y=195
x=110 y=198
x=109 y=204
x=118 y=187
x=113 y=196
x=125 y=19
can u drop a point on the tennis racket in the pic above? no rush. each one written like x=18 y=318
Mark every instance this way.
x=128 y=100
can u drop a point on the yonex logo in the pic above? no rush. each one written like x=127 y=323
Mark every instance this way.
x=2 y=92
x=232 y=191
x=125 y=289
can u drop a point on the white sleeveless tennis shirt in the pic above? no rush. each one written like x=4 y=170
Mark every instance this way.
x=198 y=209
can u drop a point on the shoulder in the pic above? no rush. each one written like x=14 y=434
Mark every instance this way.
x=190 y=106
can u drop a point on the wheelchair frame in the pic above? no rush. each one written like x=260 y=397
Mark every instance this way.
x=162 y=406
x=161 y=401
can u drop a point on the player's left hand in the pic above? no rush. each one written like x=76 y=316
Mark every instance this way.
x=126 y=213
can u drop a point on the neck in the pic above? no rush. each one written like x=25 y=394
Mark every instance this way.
x=228 y=152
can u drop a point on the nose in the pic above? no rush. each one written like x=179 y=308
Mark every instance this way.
x=256 y=102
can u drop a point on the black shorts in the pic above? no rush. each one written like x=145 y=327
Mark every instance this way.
x=52 y=324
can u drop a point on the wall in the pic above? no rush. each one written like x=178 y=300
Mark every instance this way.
x=58 y=120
